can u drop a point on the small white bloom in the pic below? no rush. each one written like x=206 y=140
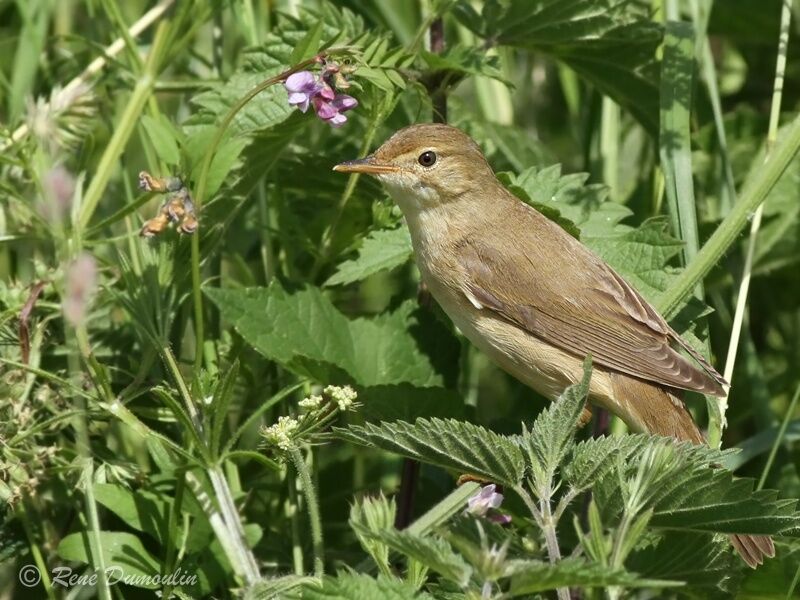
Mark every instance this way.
x=208 y=400
x=343 y=396
x=280 y=433
x=310 y=403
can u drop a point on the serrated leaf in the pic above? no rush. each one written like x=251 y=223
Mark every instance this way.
x=701 y=560
x=448 y=443
x=368 y=518
x=270 y=589
x=356 y=586
x=433 y=552
x=552 y=434
x=382 y=249
x=533 y=576
x=305 y=333
x=687 y=490
x=611 y=43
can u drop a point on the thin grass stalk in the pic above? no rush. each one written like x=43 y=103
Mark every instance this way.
x=779 y=438
x=97 y=65
x=755 y=190
x=199 y=198
x=124 y=128
x=772 y=134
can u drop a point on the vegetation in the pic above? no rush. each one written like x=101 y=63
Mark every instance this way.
x=219 y=374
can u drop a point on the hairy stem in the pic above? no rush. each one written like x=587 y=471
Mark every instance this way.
x=312 y=504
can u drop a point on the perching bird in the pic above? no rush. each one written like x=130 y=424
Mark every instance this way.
x=532 y=297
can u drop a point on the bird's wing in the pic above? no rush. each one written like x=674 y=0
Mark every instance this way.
x=599 y=314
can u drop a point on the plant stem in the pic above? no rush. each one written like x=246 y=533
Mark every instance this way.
x=772 y=133
x=545 y=520
x=312 y=504
x=779 y=437
x=124 y=128
x=756 y=189
x=199 y=197
x=22 y=512
x=234 y=524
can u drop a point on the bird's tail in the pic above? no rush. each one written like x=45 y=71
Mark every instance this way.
x=660 y=411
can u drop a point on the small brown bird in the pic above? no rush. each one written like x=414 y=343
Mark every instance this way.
x=534 y=298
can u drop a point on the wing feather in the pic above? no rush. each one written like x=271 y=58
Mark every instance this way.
x=602 y=315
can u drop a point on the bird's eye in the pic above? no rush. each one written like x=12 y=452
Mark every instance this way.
x=427 y=159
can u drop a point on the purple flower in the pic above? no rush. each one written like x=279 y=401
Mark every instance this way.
x=485 y=504
x=305 y=89
x=302 y=87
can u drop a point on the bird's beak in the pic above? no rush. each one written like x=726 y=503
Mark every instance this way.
x=365 y=165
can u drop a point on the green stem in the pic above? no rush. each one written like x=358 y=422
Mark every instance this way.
x=779 y=438
x=199 y=198
x=124 y=129
x=756 y=189
x=22 y=512
x=312 y=504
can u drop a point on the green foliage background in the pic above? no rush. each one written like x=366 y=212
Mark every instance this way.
x=130 y=434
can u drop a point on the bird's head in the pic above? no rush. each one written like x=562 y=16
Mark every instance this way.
x=423 y=166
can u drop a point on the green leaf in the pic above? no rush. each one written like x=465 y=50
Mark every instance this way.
x=701 y=560
x=552 y=434
x=356 y=586
x=369 y=517
x=405 y=402
x=270 y=589
x=305 y=333
x=142 y=510
x=610 y=43
x=675 y=148
x=308 y=46
x=687 y=490
x=382 y=249
x=432 y=552
x=459 y=61
x=533 y=576
x=123 y=555
x=162 y=136
x=464 y=447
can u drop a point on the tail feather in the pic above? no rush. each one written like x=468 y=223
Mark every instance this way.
x=660 y=411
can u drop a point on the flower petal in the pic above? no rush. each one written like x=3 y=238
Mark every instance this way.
x=302 y=81
x=344 y=102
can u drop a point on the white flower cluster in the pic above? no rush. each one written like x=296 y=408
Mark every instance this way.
x=311 y=403
x=343 y=396
x=280 y=433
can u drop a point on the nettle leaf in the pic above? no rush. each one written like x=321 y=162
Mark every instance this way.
x=552 y=434
x=356 y=586
x=701 y=560
x=381 y=250
x=534 y=576
x=687 y=490
x=456 y=445
x=369 y=517
x=430 y=551
x=269 y=589
x=305 y=333
x=611 y=43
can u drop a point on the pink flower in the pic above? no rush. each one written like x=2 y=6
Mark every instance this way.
x=306 y=90
x=302 y=87
x=485 y=504
x=79 y=287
